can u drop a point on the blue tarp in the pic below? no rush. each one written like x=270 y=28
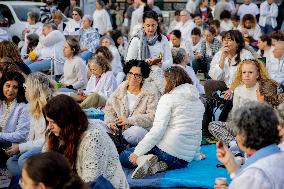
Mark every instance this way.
x=198 y=174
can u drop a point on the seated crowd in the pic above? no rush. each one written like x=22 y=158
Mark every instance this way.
x=156 y=109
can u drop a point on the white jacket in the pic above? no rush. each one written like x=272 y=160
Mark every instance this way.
x=101 y=21
x=177 y=125
x=51 y=46
x=268 y=13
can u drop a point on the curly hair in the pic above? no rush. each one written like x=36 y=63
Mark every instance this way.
x=10 y=50
x=268 y=89
x=39 y=89
x=175 y=76
x=101 y=62
x=105 y=52
x=145 y=68
x=72 y=121
x=263 y=74
x=14 y=76
x=257 y=124
x=7 y=65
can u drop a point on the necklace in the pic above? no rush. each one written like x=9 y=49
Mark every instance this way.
x=5 y=114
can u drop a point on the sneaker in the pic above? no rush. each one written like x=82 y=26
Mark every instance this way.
x=144 y=163
x=157 y=167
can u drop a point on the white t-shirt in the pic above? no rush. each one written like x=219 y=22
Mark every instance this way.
x=248 y=9
x=131 y=101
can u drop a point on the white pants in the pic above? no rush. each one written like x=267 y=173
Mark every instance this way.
x=134 y=134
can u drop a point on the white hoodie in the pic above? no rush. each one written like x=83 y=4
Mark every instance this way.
x=177 y=127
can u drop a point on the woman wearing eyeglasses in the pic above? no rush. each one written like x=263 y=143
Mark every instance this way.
x=73 y=26
x=132 y=106
x=175 y=137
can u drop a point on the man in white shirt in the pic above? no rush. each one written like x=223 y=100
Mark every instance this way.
x=268 y=15
x=248 y=8
x=185 y=25
x=276 y=68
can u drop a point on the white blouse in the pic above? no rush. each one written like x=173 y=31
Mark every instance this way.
x=75 y=73
x=101 y=21
x=131 y=101
x=104 y=86
x=242 y=95
x=72 y=27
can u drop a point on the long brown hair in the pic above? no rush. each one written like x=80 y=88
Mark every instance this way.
x=175 y=76
x=72 y=121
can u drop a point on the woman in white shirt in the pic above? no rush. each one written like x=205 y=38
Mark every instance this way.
x=131 y=108
x=100 y=86
x=39 y=90
x=75 y=70
x=116 y=64
x=175 y=137
x=101 y=18
x=249 y=28
x=153 y=47
x=73 y=25
x=224 y=64
x=245 y=84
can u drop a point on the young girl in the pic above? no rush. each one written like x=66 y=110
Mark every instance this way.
x=245 y=84
x=100 y=86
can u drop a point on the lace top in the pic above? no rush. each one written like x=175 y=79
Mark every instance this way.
x=97 y=155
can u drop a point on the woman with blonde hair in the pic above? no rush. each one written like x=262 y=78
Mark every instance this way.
x=39 y=90
x=248 y=74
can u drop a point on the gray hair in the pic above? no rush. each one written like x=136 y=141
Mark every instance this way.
x=50 y=25
x=34 y=15
x=186 y=11
x=178 y=55
x=257 y=124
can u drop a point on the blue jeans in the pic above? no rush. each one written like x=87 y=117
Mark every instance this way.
x=267 y=29
x=171 y=161
x=15 y=163
x=86 y=55
x=43 y=65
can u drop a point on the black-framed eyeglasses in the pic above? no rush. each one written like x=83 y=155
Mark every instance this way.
x=74 y=14
x=136 y=76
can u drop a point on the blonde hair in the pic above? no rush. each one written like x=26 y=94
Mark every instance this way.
x=39 y=89
x=263 y=74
